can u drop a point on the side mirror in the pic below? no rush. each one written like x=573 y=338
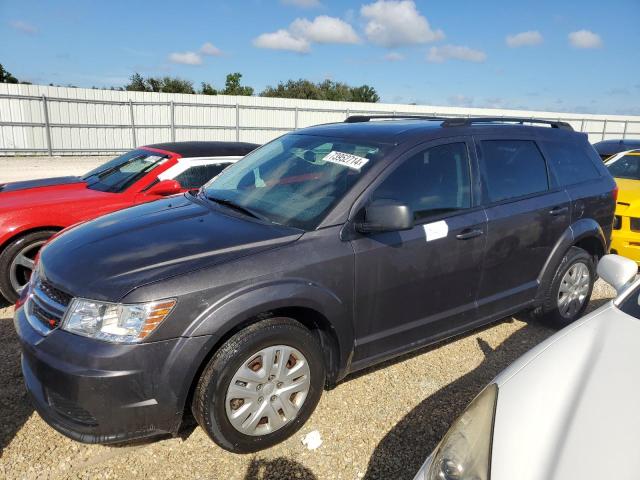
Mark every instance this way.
x=165 y=188
x=386 y=216
x=617 y=271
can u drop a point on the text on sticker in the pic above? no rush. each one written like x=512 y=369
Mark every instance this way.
x=346 y=160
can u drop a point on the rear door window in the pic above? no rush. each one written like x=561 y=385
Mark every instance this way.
x=512 y=169
x=570 y=163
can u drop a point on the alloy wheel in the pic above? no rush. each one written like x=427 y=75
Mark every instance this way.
x=23 y=264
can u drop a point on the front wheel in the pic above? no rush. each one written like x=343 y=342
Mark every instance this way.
x=261 y=386
x=17 y=262
x=568 y=295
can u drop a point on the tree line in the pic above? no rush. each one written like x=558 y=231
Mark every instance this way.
x=301 y=88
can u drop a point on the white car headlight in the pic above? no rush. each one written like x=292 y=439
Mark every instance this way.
x=465 y=451
x=115 y=322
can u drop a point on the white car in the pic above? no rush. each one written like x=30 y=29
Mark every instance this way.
x=567 y=409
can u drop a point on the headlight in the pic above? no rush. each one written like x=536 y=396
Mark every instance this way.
x=465 y=451
x=115 y=322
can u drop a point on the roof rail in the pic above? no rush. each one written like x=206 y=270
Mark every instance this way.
x=462 y=122
x=366 y=118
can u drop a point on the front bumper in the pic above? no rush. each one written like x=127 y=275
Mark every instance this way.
x=97 y=392
x=626 y=242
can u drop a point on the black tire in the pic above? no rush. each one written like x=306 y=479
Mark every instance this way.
x=550 y=312
x=9 y=254
x=209 y=398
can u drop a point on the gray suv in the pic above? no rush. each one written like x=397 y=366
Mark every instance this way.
x=328 y=250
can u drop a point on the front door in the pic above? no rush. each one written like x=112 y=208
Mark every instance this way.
x=418 y=285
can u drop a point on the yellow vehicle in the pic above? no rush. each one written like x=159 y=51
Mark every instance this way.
x=625 y=239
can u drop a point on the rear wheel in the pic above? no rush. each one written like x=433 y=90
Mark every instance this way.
x=17 y=261
x=261 y=386
x=568 y=294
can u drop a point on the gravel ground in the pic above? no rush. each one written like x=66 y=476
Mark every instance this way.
x=377 y=425
x=13 y=169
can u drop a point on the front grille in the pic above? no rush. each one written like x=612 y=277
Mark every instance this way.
x=46 y=306
x=67 y=408
x=617 y=222
x=635 y=224
x=53 y=293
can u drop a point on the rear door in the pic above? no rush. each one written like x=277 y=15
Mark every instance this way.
x=526 y=214
x=421 y=284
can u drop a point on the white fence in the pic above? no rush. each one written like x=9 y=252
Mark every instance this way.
x=43 y=120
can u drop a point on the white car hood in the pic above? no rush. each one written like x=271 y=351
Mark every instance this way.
x=570 y=407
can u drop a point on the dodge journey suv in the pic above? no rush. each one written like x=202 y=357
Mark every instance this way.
x=328 y=250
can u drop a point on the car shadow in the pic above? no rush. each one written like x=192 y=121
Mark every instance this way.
x=277 y=469
x=403 y=450
x=15 y=407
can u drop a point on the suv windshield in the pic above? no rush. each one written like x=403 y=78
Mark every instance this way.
x=296 y=179
x=625 y=167
x=121 y=172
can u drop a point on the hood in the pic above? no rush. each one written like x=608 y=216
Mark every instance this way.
x=43 y=182
x=106 y=258
x=569 y=408
x=45 y=192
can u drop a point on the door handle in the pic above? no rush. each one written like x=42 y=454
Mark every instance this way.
x=555 y=211
x=469 y=233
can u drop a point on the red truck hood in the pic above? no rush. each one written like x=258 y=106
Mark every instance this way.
x=48 y=191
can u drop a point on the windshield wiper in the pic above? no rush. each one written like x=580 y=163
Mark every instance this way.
x=230 y=204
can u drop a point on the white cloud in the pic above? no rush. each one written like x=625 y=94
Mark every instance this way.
x=455 y=52
x=391 y=23
x=460 y=100
x=303 y=32
x=529 y=38
x=282 y=40
x=585 y=39
x=324 y=29
x=302 y=3
x=24 y=27
x=394 y=57
x=210 y=49
x=185 y=58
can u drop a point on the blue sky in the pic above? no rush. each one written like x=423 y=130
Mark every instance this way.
x=569 y=55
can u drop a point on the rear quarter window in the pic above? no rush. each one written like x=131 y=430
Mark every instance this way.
x=571 y=163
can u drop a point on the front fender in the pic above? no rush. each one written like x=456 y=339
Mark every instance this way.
x=240 y=307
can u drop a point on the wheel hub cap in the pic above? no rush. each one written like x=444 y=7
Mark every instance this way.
x=268 y=390
x=573 y=290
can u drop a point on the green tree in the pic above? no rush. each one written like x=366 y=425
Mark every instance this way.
x=325 y=90
x=208 y=89
x=364 y=93
x=6 y=77
x=233 y=86
x=303 y=89
x=153 y=84
x=137 y=84
x=176 y=85
x=335 y=91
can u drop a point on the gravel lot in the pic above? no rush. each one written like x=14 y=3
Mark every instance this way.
x=378 y=425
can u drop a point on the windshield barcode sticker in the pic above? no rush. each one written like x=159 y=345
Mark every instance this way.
x=346 y=160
